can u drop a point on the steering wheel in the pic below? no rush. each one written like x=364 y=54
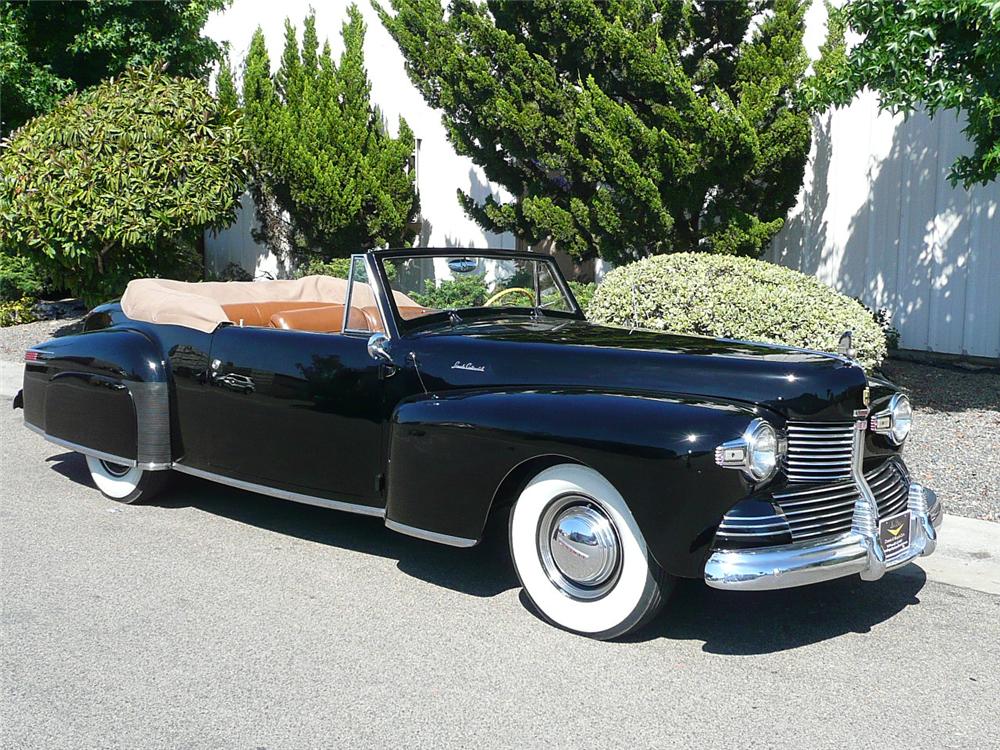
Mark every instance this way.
x=507 y=292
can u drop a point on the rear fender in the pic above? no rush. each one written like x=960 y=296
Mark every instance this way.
x=103 y=393
x=454 y=458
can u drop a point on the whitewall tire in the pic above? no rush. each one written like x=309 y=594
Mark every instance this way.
x=580 y=555
x=124 y=484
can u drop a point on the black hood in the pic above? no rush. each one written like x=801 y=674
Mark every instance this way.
x=522 y=352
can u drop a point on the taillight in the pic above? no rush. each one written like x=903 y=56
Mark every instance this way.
x=33 y=355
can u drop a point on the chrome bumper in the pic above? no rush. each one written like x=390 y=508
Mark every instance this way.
x=803 y=563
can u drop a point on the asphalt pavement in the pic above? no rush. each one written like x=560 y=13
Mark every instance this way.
x=219 y=618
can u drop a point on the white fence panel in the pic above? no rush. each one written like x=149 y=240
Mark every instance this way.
x=878 y=219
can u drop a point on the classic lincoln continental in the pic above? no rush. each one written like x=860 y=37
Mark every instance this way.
x=435 y=388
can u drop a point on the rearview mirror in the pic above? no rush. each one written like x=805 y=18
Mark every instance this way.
x=378 y=348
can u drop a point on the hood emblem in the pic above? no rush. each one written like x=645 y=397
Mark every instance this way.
x=866 y=396
x=468 y=366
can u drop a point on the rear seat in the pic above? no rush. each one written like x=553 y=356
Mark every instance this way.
x=325 y=319
x=259 y=313
x=319 y=317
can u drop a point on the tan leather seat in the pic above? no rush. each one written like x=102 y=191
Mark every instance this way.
x=259 y=313
x=323 y=319
x=312 y=316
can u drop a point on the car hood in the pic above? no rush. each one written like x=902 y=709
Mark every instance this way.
x=797 y=383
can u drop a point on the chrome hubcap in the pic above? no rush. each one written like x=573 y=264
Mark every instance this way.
x=115 y=470
x=579 y=547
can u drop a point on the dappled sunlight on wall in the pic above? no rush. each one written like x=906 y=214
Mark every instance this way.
x=878 y=219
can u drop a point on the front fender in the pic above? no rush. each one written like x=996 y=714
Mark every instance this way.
x=448 y=455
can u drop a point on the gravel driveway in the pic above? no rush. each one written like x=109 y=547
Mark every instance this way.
x=14 y=340
x=955 y=444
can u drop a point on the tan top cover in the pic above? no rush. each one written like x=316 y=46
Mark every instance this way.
x=198 y=305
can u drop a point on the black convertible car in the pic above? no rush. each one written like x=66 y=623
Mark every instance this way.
x=433 y=388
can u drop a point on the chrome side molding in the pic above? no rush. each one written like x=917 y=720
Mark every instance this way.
x=76 y=447
x=430 y=536
x=298 y=497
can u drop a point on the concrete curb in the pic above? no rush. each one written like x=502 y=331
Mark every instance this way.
x=967 y=555
x=11 y=377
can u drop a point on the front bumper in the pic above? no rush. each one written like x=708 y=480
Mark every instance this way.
x=802 y=563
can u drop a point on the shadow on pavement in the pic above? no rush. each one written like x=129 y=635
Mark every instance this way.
x=484 y=570
x=728 y=622
x=760 y=622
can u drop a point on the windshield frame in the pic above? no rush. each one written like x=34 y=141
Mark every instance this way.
x=444 y=316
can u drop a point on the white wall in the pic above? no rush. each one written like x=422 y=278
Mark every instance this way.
x=877 y=219
x=441 y=171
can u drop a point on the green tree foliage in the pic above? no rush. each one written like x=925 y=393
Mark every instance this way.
x=941 y=54
x=50 y=49
x=119 y=181
x=324 y=157
x=622 y=128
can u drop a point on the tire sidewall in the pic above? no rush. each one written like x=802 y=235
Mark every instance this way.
x=637 y=588
x=123 y=489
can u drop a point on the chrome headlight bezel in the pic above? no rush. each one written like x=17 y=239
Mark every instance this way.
x=757 y=452
x=895 y=421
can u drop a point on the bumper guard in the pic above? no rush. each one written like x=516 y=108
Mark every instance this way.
x=802 y=563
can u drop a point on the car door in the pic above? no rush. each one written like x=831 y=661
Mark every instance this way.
x=297 y=410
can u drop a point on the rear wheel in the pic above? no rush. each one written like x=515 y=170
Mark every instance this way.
x=125 y=484
x=580 y=555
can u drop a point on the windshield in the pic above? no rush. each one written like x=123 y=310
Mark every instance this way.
x=474 y=285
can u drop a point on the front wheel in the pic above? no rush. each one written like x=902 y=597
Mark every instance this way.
x=580 y=555
x=125 y=484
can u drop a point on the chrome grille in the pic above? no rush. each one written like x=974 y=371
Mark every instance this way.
x=819 y=452
x=751 y=528
x=819 y=511
x=890 y=488
x=829 y=510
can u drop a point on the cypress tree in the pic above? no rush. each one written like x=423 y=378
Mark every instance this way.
x=330 y=180
x=622 y=128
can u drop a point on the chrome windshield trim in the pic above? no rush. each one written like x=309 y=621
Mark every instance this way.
x=430 y=536
x=111 y=457
x=321 y=502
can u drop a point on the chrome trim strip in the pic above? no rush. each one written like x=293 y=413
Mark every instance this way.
x=322 y=502
x=430 y=536
x=130 y=462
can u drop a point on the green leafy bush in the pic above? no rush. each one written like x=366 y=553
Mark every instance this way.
x=738 y=298
x=470 y=291
x=16 y=312
x=337 y=267
x=584 y=293
x=19 y=278
x=119 y=181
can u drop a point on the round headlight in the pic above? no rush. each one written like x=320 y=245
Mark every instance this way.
x=762 y=447
x=902 y=418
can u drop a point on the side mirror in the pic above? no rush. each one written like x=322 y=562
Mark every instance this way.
x=378 y=348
